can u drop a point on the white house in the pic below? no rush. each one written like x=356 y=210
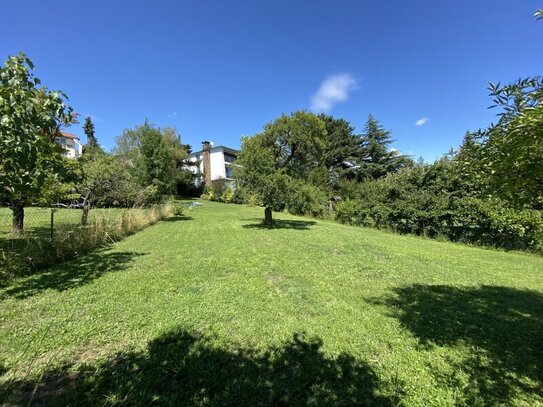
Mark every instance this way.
x=213 y=162
x=70 y=142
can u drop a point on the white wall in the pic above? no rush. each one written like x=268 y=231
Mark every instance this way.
x=217 y=165
x=72 y=148
x=216 y=159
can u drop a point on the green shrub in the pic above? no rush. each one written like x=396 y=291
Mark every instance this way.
x=492 y=223
x=227 y=196
x=468 y=220
x=177 y=209
x=208 y=194
x=306 y=199
x=219 y=187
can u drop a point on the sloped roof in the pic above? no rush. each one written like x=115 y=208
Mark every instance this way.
x=69 y=135
x=227 y=150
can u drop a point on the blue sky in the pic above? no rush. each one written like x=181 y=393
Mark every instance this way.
x=217 y=70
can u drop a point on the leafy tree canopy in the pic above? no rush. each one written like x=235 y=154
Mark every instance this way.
x=287 y=149
x=31 y=117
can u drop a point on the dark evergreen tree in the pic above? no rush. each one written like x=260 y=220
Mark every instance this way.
x=343 y=150
x=379 y=159
x=88 y=128
x=92 y=141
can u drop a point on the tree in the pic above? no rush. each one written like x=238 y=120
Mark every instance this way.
x=158 y=164
x=155 y=156
x=92 y=141
x=379 y=159
x=31 y=120
x=106 y=180
x=288 y=149
x=343 y=150
x=514 y=146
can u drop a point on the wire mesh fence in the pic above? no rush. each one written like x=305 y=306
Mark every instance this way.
x=39 y=221
x=40 y=226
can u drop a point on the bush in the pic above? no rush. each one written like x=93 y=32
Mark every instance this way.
x=177 y=209
x=219 y=187
x=148 y=196
x=492 y=223
x=220 y=190
x=227 y=196
x=307 y=199
x=468 y=220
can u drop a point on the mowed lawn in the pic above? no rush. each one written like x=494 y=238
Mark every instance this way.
x=212 y=309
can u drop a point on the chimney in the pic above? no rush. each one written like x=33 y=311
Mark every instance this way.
x=206 y=153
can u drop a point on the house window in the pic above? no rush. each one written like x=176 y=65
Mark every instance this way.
x=229 y=158
x=228 y=171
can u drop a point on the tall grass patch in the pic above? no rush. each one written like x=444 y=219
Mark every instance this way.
x=32 y=253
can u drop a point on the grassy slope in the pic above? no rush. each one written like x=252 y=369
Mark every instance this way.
x=211 y=307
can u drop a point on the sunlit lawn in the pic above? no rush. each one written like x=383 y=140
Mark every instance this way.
x=212 y=309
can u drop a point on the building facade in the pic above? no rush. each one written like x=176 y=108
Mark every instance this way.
x=71 y=145
x=213 y=162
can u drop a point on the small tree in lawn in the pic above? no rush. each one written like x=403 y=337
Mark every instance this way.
x=30 y=120
x=105 y=180
x=287 y=149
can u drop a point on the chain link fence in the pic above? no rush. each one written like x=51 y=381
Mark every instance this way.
x=39 y=221
x=39 y=225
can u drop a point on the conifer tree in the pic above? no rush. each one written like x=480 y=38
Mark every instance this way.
x=379 y=158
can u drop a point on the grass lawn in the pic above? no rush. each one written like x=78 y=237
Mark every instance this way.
x=212 y=309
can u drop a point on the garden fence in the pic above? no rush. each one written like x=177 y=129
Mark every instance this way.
x=39 y=221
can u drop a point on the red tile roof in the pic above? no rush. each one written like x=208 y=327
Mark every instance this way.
x=69 y=135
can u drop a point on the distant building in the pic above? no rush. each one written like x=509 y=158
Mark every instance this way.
x=70 y=142
x=213 y=162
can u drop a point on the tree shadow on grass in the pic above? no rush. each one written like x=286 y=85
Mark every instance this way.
x=282 y=224
x=182 y=368
x=502 y=327
x=71 y=274
x=177 y=218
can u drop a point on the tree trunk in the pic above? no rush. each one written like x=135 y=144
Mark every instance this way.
x=18 y=217
x=85 y=216
x=86 y=209
x=268 y=220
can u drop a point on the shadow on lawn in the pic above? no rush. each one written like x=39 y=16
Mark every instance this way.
x=282 y=224
x=502 y=328
x=71 y=274
x=177 y=218
x=181 y=368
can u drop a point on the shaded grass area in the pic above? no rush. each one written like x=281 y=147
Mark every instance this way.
x=501 y=327
x=210 y=308
x=67 y=276
x=183 y=368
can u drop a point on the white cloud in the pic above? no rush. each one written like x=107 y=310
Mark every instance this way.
x=333 y=90
x=422 y=121
x=173 y=114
